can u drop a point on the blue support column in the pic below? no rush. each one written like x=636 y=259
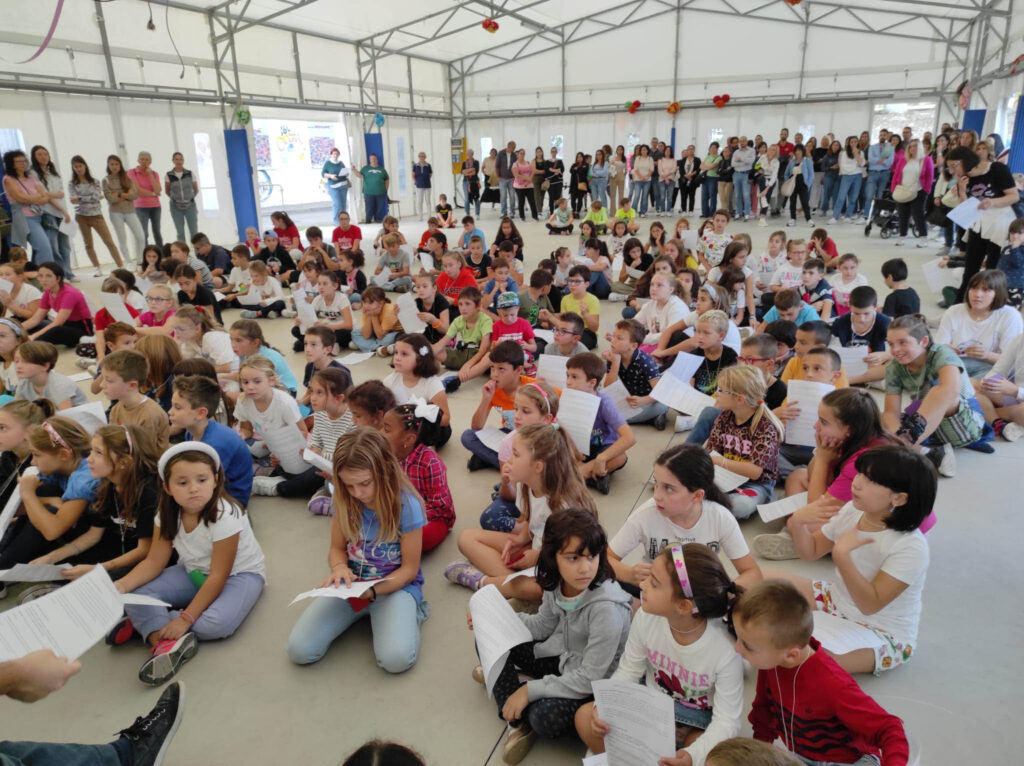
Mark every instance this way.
x=1017 y=144
x=974 y=119
x=236 y=146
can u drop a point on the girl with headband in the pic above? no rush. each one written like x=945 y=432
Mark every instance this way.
x=11 y=336
x=220 y=571
x=679 y=645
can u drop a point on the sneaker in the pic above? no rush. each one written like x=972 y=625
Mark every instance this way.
x=451 y=384
x=518 y=742
x=476 y=463
x=762 y=222
x=388 y=350
x=832 y=220
x=84 y=362
x=921 y=242
x=846 y=219
x=321 y=506
x=249 y=314
x=661 y=421
x=617 y=297
x=777 y=547
x=809 y=223
x=167 y=657
x=791 y=222
x=944 y=459
x=150 y=735
x=121 y=633
x=97 y=273
x=289 y=313
x=602 y=484
x=38 y=591
x=266 y=485
x=465 y=574
x=478 y=675
x=685 y=423
x=1012 y=431
x=272 y=315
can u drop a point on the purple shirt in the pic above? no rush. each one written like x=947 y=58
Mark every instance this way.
x=607 y=423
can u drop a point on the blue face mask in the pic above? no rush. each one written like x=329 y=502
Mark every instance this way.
x=569 y=604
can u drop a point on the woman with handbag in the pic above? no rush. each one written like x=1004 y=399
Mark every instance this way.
x=54 y=212
x=522 y=182
x=797 y=186
x=555 y=180
x=912 y=174
x=27 y=197
x=578 y=184
x=540 y=171
x=599 y=178
x=617 y=177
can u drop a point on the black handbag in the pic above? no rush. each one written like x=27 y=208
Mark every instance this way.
x=937 y=216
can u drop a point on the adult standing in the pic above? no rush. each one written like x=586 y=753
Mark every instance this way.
x=181 y=189
x=421 y=177
x=44 y=172
x=555 y=179
x=767 y=169
x=73 y=320
x=471 y=181
x=830 y=180
x=709 y=187
x=599 y=178
x=503 y=166
x=851 y=162
x=689 y=172
x=913 y=173
x=490 y=173
x=742 y=164
x=335 y=175
x=522 y=182
x=801 y=168
x=667 y=172
x=643 y=170
x=86 y=194
x=993 y=186
x=27 y=197
x=578 y=174
x=880 y=161
x=785 y=148
x=121 y=191
x=617 y=168
x=540 y=171
x=725 y=177
x=375 y=189
x=147 y=203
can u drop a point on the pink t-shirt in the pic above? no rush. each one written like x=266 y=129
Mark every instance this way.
x=148 y=181
x=70 y=298
x=148 y=319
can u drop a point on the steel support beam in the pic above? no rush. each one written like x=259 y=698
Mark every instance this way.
x=298 y=65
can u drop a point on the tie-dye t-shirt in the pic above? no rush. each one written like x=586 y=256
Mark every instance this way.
x=371 y=559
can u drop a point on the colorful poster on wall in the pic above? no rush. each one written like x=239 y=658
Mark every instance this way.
x=290 y=155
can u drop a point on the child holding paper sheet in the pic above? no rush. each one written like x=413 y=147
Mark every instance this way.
x=416 y=376
x=380 y=324
x=578 y=635
x=22 y=298
x=328 y=391
x=410 y=431
x=377 y=533
x=332 y=309
x=198 y=335
x=55 y=498
x=265 y=292
x=545 y=466
x=709 y=335
x=880 y=554
x=220 y=571
x=863 y=327
x=679 y=644
x=115 y=288
x=637 y=371
x=746 y=435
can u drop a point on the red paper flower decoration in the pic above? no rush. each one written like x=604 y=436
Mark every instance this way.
x=720 y=101
x=794 y=2
x=632 y=106
x=490 y=25
x=1016 y=61
x=673 y=108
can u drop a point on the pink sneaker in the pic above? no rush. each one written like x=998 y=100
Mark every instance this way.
x=166 y=657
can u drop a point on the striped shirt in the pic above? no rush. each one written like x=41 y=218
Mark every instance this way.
x=326 y=432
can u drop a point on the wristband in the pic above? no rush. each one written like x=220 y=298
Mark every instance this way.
x=373 y=590
x=184 y=613
x=1020 y=394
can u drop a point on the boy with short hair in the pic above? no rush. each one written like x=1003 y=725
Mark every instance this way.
x=837 y=721
x=500 y=282
x=816 y=334
x=864 y=326
x=315 y=238
x=709 y=335
x=471 y=332
x=790 y=306
x=903 y=299
x=611 y=436
x=217 y=259
x=469 y=230
x=116 y=337
x=627 y=214
x=637 y=370
x=533 y=299
x=598 y=216
x=823 y=247
x=567 y=328
x=318 y=346
x=122 y=374
x=193 y=404
x=511 y=326
x=784 y=332
x=815 y=291
x=396 y=262
x=585 y=304
x=240 y=278
x=506 y=361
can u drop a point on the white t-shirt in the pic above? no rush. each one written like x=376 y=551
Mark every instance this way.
x=657 y=319
x=26 y=295
x=539 y=512
x=331 y=311
x=732 y=335
x=195 y=548
x=269 y=291
x=841 y=290
x=283 y=411
x=716 y=274
x=903 y=555
x=217 y=348
x=425 y=388
x=646 y=527
x=706 y=674
x=958 y=330
x=136 y=300
x=788 y=275
x=239 y=277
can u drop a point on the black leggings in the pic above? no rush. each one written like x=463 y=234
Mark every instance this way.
x=554 y=194
x=576 y=197
x=301 y=484
x=800 y=193
x=550 y=717
x=277 y=306
x=913 y=208
x=524 y=195
x=688 y=191
x=68 y=334
x=559 y=230
x=981 y=253
x=23 y=542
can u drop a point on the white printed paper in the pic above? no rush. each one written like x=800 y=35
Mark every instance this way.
x=690 y=239
x=251 y=297
x=67 y=621
x=641 y=720
x=383 y=278
x=841 y=636
x=617 y=393
x=89 y=416
x=551 y=369
x=577 y=411
x=137 y=599
x=80 y=377
x=427 y=261
x=780 y=508
x=601 y=759
x=114 y=304
x=548 y=336
x=69 y=228
x=966 y=213
x=287 y=445
x=491 y=437
x=142 y=284
x=317 y=461
x=14 y=502
x=531 y=572
x=357 y=358
x=407 y=313
x=33 y=573
x=6 y=285
x=938 y=277
x=617 y=262
x=496 y=629
x=854 y=363
x=727 y=480
x=680 y=395
x=635 y=274
x=807 y=394
x=685 y=366
x=306 y=314
x=355 y=590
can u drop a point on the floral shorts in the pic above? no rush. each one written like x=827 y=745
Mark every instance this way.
x=891 y=654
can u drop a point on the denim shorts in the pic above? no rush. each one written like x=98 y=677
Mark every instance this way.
x=689 y=716
x=891 y=654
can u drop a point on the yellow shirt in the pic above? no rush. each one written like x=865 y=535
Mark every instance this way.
x=569 y=303
x=794 y=370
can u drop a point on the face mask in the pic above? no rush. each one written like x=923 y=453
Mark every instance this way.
x=569 y=604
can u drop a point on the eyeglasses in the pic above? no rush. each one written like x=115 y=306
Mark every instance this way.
x=577 y=281
x=156 y=299
x=753 y=359
x=723 y=391
x=562 y=331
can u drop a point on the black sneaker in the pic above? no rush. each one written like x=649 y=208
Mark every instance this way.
x=451 y=384
x=150 y=735
x=476 y=463
x=603 y=484
x=661 y=421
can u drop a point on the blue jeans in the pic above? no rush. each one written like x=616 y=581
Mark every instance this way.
x=599 y=286
x=741 y=182
x=394 y=618
x=219 y=620
x=874 y=185
x=628 y=312
x=745 y=506
x=599 y=190
x=339 y=201
x=708 y=196
x=829 y=190
x=702 y=430
x=465 y=196
x=376 y=207
x=849 y=189
x=507 y=197
x=150 y=216
x=39 y=238
x=649 y=413
x=641 y=191
x=663 y=195
x=472 y=442
x=371 y=344
x=180 y=217
x=49 y=753
x=500 y=516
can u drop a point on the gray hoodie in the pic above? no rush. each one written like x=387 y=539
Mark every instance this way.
x=588 y=640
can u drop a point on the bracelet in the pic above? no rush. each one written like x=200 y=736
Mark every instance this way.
x=373 y=590
x=184 y=613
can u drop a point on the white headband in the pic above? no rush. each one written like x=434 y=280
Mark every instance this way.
x=177 y=449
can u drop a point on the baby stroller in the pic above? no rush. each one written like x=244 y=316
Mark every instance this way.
x=883 y=215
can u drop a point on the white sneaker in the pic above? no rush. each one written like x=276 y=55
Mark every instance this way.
x=762 y=223
x=84 y=362
x=1012 y=432
x=846 y=219
x=777 y=547
x=249 y=314
x=617 y=297
x=947 y=466
x=289 y=313
x=266 y=485
x=791 y=222
x=685 y=423
x=921 y=242
x=810 y=222
x=832 y=220
x=97 y=273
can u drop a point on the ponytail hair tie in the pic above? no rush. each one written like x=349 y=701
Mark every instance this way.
x=555 y=425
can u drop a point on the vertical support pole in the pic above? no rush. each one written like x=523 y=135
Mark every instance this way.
x=1017 y=144
x=298 y=66
x=562 y=69
x=115 y=104
x=803 y=51
x=675 y=75
x=408 y=74
x=217 y=71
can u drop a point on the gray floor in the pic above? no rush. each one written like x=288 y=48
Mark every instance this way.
x=248 y=704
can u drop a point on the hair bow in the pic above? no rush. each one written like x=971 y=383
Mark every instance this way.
x=423 y=409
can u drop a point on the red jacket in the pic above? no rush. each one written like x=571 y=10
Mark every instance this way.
x=832 y=718
x=927 y=172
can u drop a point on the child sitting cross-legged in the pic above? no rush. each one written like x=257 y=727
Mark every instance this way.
x=815 y=290
x=637 y=370
x=864 y=325
x=332 y=418
x=124 y=372
x=33 y=363
x=464 y=347
x=415 y=377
